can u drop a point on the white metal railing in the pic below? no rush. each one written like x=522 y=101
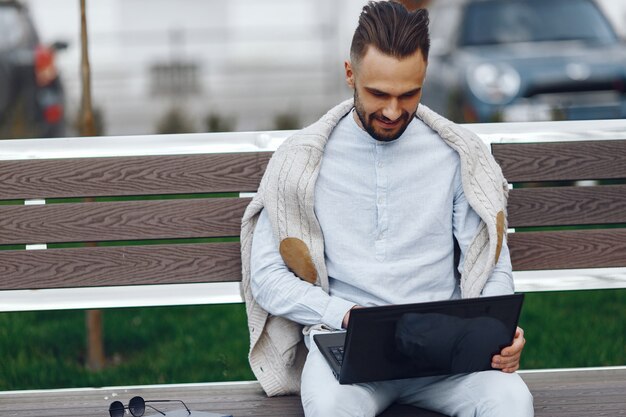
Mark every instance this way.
x=198 y=143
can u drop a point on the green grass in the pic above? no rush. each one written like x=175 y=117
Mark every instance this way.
x=143 y=346
x=574 y=329
x=210 y=343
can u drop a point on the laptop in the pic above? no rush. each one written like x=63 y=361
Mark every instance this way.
x=424 y=339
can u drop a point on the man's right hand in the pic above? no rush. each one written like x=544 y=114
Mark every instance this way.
x=346 y=318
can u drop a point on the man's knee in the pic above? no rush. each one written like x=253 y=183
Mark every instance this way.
x=520 y=400
x=509 y=397
x=337 y=403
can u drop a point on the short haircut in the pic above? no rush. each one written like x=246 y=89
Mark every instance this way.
x=392 y=29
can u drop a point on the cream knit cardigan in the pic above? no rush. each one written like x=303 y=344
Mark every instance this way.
x=277 y=351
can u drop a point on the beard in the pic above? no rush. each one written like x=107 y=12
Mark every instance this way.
x=380 y=134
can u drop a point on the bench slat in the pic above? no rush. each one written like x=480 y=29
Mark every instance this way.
x=120 y=176
x=556 y=393
x=130 y=265
x=129 y=220
x=551 y=206
x=562 y=161
x=238 y=399
x=568 y=249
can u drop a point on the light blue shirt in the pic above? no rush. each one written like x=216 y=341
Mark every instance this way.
x=389 y=213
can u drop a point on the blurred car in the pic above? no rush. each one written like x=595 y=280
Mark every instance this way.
x=31 y=94
x=524 y=60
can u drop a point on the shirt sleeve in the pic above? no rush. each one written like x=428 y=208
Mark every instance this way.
x=282 y=293
x=465 y=225
x=501 y=280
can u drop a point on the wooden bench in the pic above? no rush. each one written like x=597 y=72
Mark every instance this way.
x=212 y=174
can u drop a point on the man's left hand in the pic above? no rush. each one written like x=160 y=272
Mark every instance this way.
x=509 y=357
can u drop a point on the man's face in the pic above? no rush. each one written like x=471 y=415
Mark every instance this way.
x=387 y=91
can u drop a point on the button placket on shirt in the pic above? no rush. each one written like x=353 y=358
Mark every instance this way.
x=381 y=201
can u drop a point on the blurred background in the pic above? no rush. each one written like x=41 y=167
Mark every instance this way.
x=194 y=66
x=163 y=66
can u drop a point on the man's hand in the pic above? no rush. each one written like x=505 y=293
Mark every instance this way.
x=508 y=359
x=346 y=318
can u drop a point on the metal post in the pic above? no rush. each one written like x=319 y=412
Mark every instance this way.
x=87 y=127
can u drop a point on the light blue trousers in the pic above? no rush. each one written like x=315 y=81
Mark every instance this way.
x=484 y=394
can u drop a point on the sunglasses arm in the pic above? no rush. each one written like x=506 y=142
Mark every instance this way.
x=158 y=411
x=169 y=401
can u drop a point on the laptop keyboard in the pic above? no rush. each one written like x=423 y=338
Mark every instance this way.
x=337 y=352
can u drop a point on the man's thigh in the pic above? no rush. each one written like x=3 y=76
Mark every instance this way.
x=322 y=395
x=488 y=393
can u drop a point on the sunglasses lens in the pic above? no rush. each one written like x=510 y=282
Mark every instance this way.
x=137 y=406
x=116 y=409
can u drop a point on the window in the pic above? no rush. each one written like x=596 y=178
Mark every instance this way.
x=174 y=79
x=498 y=22
x=12 y=28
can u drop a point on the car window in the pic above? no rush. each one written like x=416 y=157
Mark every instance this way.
x=497 y=22
x=444 y=23
x=12 y=28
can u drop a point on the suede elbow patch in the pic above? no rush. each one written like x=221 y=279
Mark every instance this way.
x=297 y=257
x=500 y=220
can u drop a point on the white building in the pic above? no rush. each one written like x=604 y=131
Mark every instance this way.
x=245 y=59
x=249 y=60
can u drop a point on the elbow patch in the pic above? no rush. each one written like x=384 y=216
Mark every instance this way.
x=297 y=257
x=500 y=223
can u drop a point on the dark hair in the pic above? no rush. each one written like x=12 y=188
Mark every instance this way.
x=392 y=29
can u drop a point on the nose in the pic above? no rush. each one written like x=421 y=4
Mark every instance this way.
x=392 y=110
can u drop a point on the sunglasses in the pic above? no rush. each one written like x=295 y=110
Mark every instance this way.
x=137 y=407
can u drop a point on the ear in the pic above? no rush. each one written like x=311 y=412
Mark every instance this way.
x=349 y=74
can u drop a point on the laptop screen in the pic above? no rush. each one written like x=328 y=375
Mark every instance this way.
x=448 y=337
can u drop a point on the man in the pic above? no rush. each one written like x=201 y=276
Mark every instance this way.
x=363 y=208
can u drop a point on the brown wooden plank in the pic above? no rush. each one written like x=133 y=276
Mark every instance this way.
x=568 y=249
x=578 y=393
x=129 y=265
x=240 y=400
x=128 y=220
x=120 y=176
x=567 y=206
x=562 y=161
x=588 y=393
